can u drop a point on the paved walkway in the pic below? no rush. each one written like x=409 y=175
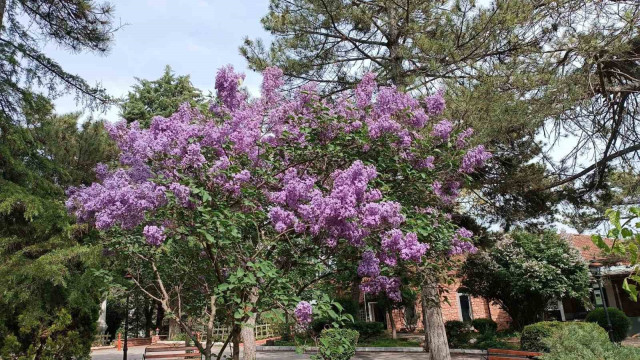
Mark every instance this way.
x=135 y=353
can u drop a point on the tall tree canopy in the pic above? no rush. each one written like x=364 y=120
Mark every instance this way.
x=48 y=299
x=524 y=272
x=515 y=70
x=161 y=97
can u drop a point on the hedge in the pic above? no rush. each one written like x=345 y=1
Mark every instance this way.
x=484 y=326
x=620 y=323
x=337 y=344
x=534 y=337
x=586 y=341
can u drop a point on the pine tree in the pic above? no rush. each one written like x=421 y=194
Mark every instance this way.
x=515 y=70
x=161 y=97
x=48 y=297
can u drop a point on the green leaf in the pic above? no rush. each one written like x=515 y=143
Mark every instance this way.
x=630 y=289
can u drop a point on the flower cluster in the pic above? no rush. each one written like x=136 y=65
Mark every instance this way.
x=383 y=284
x=154 y=234
x=474 y=159
x=448 y=192
x=349 y=211
x=303 y=313
x=435 y=103
x=461 y=246
x=442 y=129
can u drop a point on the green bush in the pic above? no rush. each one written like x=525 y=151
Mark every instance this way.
x=337 y=344
x=317 y=325
x=484 y=326
x=534 y=335
x=366 y=329
x=457 y=333
x=489 y=340
x=585 y=341
x=619 y=321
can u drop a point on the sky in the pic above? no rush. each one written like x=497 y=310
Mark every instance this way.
x=194 y=37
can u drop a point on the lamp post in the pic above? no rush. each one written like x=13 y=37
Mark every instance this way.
x=596 y=270
x=126 y=321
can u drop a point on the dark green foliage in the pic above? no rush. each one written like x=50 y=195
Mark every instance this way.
x=585 y=341
x=366 y=329
x=489 y=340
x=524 y=271
x=350 y=306
x=534 y=337
x=317 y=325
x=458 y=333
x=160 y=97
x=620 y=323
x=337 y=344
x=484 y=326
x=49 y=296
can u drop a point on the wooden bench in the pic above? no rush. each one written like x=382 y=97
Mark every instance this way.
x=500 y=354
x=172 y=352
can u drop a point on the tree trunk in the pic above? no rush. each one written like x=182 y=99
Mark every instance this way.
x=435 y=334
x=423 y=305
x=235 y=349
x=174 y=328
x=159 y=315
x=392 y=322
x=355 y=289
x=148 y=317
x=248 y=330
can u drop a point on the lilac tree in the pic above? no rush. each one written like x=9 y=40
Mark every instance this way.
x=229 y=210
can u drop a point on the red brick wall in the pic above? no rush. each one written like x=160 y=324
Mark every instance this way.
x=480 y=308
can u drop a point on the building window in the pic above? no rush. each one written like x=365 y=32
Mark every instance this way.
x=464 y=301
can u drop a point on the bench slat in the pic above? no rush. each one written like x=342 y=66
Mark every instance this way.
x=173 y=356
x=512 y=352
x=169 y=348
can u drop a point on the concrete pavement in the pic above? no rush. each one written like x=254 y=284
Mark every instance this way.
x=135 y=353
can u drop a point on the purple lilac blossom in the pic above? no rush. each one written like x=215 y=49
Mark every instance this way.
x=190 y=144
x=102 y=170
x=426 y=163
x=461 y=140
x=304 y=313
x=383 y=284
x=442 y=129
x=271 y=82
x=154 y=235
x=448 y=193
x=474 y=159
x=227 y=87
x=435 y=103
x=181 y=192
x=369 y=265
x=364 y=90
x=461 y=246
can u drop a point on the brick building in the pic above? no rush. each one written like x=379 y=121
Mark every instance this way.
x=456 y=305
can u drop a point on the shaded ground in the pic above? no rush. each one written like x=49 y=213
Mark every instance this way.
x=135 y=353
